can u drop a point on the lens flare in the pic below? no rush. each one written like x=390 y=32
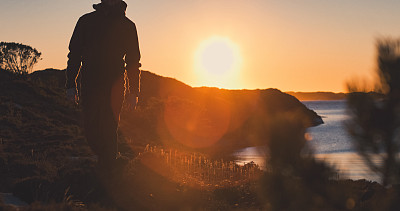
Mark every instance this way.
x=197 y=125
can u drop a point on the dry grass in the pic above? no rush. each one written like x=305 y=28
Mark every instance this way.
x=198 y=170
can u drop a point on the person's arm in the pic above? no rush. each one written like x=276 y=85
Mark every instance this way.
x=74 y=56
x=132 y=59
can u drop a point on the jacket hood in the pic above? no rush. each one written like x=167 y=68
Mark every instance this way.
x=116 y=10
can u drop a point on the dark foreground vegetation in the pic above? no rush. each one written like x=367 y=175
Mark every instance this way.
x=45 y=161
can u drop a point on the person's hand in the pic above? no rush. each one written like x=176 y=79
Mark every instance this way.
x=71 y=95
x=131 y=101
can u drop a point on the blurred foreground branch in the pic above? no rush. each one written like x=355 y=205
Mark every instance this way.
x=375 y=121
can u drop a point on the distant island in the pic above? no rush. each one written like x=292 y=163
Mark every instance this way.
x=305 y=96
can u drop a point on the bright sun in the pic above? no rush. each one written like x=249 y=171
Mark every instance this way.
x=217 y=63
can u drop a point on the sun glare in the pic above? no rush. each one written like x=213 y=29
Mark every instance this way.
x=217 y=63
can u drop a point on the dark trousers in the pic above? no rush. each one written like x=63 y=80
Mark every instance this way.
x=101 y=105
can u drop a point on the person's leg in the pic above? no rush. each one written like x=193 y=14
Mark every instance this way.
x=101 y=114
x=100 y=129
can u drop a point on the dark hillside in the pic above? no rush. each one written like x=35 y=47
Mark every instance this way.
x=33 y=113
x=44 y=156
x=40 y=135
x=170 y=112
x=208 y=119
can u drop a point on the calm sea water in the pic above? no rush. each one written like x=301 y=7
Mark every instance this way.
x=330 y=141
x=330 y=137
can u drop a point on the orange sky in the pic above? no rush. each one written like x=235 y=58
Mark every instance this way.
x=309 y=46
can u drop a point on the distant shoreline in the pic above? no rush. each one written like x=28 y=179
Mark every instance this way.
x=312 y=96
x=327 y=96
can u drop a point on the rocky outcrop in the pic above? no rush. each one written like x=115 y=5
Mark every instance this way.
x=172 y=113
x=210 y=119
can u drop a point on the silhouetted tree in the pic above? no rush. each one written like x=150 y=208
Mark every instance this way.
x=375 y=122
x=18 y=58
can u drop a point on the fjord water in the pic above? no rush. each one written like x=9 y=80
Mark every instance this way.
x=332 y=143
x=330 y=137
x=329 y=141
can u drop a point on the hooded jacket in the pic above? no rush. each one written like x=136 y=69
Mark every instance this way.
x=103 y=42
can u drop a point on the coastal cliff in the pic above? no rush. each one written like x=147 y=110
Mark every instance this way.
x=169 y=112
x=44 y=155
x=211 y=120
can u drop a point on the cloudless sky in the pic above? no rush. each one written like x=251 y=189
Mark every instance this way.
x=292 y=45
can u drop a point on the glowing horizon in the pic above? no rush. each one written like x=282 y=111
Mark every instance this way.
x=292 y=46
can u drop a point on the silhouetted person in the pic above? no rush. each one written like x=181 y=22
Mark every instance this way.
x=104 y=44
